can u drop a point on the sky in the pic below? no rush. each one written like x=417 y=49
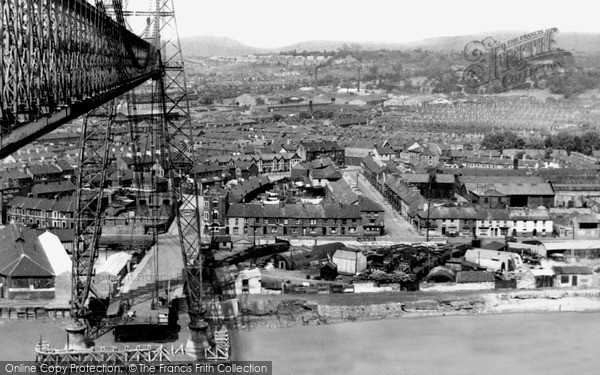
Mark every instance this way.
x=277 y=23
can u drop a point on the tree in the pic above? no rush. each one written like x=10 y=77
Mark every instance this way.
x=502 y=141
x=374 y=70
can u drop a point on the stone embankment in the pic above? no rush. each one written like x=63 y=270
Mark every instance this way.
x=273 y=313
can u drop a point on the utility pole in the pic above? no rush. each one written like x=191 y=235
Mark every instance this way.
x=428 y=212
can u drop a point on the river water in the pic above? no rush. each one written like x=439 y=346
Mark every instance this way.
x=548 y=343
x=531 y=343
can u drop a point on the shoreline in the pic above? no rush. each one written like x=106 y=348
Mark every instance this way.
x=490 y=303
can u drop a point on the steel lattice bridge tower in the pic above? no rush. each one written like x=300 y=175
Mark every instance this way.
x=61 y=59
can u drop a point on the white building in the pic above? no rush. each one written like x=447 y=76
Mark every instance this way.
x=248 y=281
x=349 y=262
x=569 y=276
x=494 y=260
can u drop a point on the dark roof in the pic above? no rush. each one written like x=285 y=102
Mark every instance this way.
x=572 y=270
x=65 y=204
x=423 y=178
x=317 y=146
x=21 y=253
x=41 y=169
x=204 y=168
x=326 y=173
x=294 y=211
x=53 y=187
x=468 y=213
x=63 y=234
x=494 y=245
x=367 y=205
x=239 y=192
x=64 y=165
x=474 y=276
x=321 y=251
x=372 y=165
x=493 y=214
x=342 y=192
x=14 y=174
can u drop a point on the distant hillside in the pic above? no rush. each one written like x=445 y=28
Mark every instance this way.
x=216 y=46
x=223 y=46
x=583 y=42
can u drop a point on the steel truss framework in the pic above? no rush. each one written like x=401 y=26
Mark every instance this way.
x=173 y=144
x=180 y=152
x=60 y=59
x=95 y=143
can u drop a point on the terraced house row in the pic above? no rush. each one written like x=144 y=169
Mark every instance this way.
x=365 y=218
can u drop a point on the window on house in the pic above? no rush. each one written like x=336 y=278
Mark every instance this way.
x=294 y=230
x=313 y=221
x=564 y=279
x=285 y=221
x=352 y=230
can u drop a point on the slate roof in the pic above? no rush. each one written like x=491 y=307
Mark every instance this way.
x=53 y=187
x=65 y=204
x=493 y=214
x=367 y=205
x=372 y=165
x=42 y=169
x=342 y=192
x=21 y=253
x=204 y=168
x=572 y=270
x=64 y=165
x=239 y=191
x=514 y=188
x=294 y=211
x=326 y=173
x=317 y=146
x=464 y=213
x=423 y=178
x=15 y=175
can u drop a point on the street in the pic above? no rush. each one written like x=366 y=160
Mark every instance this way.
x=396 y=227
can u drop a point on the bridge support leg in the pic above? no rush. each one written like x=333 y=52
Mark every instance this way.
x=76 y=337
x=198 y=340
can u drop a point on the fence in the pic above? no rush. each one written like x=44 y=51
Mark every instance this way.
x=317 y=289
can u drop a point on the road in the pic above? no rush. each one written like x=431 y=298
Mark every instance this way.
x=396 y=227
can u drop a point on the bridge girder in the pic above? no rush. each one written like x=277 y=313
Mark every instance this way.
x=60 y=59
